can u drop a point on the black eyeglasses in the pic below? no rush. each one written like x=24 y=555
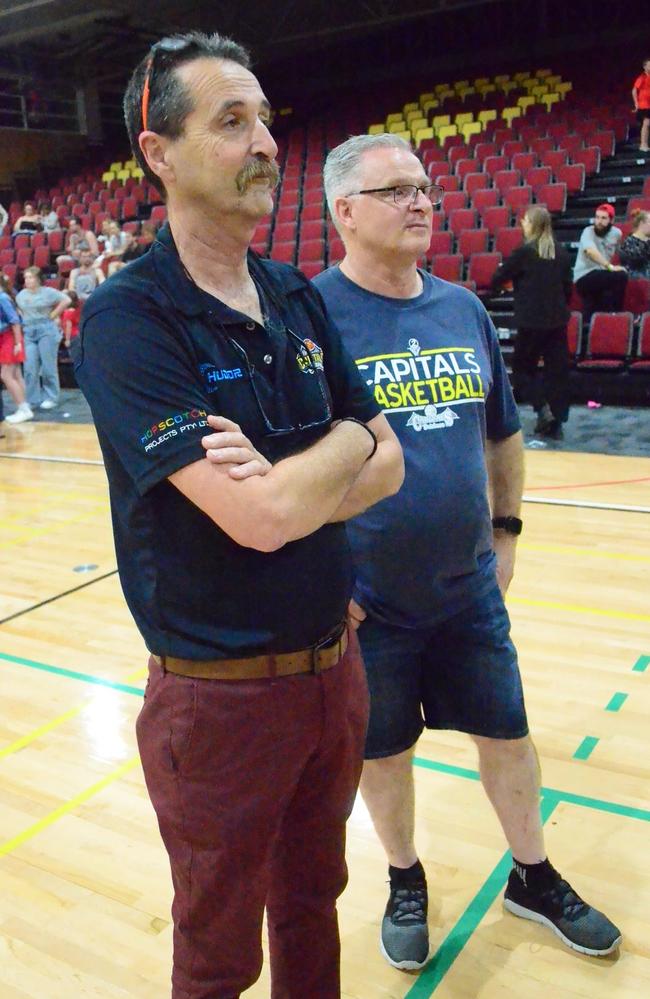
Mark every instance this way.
x=311 y=356
x=406 y=194
x=166 y=46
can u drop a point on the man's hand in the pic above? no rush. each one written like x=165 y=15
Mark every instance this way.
x=229 y=446
x=505 y=548
x=356 y=614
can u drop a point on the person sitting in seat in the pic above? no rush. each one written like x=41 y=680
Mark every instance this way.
x=86 y=277
x=76 y=241
x=29 y=221
x=49 y=217
x=635 y=250
x=600 y=282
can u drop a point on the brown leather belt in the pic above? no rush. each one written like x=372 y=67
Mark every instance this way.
x=314 y=660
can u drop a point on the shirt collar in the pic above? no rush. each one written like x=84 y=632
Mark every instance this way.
x=177 y=287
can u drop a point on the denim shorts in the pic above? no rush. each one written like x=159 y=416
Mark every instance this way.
x=461 y=674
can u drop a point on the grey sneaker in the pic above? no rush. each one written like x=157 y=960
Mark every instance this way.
x=575 y=922
x=404 y=939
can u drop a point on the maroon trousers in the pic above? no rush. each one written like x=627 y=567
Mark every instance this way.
x=252 y=782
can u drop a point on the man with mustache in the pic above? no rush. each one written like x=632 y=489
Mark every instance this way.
x=236 y=570
x=600 y=282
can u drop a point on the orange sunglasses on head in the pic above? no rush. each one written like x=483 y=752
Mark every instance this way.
x=165 y=45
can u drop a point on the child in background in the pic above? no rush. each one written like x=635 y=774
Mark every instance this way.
x=71 y=318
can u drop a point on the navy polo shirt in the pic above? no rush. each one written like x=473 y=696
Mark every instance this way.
x=156 y=355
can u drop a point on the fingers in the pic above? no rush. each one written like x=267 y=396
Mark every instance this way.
x=230 y=455
x=221 y=423
x=226 y=439
x=254 y=467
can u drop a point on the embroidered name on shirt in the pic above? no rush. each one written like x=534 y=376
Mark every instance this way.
x=213 y=376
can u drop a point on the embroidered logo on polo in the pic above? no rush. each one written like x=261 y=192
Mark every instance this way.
x=428 y=383
x=310 y=357
x=173 y=426
x=214 y=376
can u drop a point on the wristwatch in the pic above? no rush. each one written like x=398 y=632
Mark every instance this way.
x=511 y=525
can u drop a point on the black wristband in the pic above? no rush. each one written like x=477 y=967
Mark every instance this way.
x=353 y=419
x=511 y=525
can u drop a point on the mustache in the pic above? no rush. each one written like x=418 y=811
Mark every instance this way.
x=266 y=169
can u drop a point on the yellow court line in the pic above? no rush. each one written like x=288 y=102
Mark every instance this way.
x=579 y=609
x=66 y=807
x=572 y=550
x=36 y=733
x=52 y=525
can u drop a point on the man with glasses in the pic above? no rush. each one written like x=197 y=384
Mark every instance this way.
x=434 y=562
x=236 y=570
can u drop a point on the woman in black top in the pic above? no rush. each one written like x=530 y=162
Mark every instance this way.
x=635 y=250
x=540 y=271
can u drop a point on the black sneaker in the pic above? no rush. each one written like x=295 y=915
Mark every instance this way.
x=544 y=419
x=575 y=922
x=404 y=939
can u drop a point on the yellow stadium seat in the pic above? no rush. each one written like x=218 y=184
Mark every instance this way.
x=543 y=72
x=108 y=176
x=422 y=134
x=397 y=126
x=415 y=113
x=538 y=91
x=466 y=92
x=508 y=114
x=552 y=81
x=463 y=118
x=470 y=128
x=415 y=124
x=564 y=88
x=404 y=134
x=525 y=102
x=426 y=97
x=410 y=107
x=480 y=80
x=439 y=87
x=486 y=88
x=485 y=116
x=123 y=175
x=508 y=86
x=460 y=85
x=430 y=106
x=130 y=164
x=521 y=76
x=529 y=83
x=137 y=173
x=549 y=100
x=444 y=94
x=376 y=129
x=396 y=116
x=502 y=78
x=439 y=120
x=445 y=131
x=115 y=167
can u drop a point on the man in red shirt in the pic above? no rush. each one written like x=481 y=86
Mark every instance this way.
x=641 y=99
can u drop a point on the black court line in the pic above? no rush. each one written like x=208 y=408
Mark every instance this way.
x=57 y=596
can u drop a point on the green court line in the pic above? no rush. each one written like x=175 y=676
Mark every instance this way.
x=617 y=702
x=124 y=688
x=641 y=664
x=430 y=978
x=446 y=768
x=586 y=748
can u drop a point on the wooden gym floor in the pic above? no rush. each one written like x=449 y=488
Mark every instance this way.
x=84 y=884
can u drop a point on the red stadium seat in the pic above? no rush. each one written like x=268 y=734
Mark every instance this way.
x=507 y=239
x=495 y=217
x=472 y=241
x=474 y=182
x=10 y=271
x=553 y=196
x=493 y=164
x=461 y=218
x=112 y=206
x=571 y=143
x=448 y=181
x=289 y=213
x=646 y=187
x=65 y=266
x=609 y=341
x=553 y=159
x=538 y=176
x=558 y=130
x=606 y=142
x=311 y=213
x=485 y=197
x=22 y=241
x=312 y=196
x=485 y=149
x=311 y=229
x=512 y=146
x=481 y=269
x=129 y=209
x=574 y=334
x=436 y=168
x=642 y=362
x=311 y=249
x=24 y=258
x=524 y=162
x=336 y=250
x=456 y=155
x=573 y=175
x=590 y=159
x=158 y=214
x=465 y=166
x=311 y=268
x=284 y=232
x=55 y=241
x=516 y=198
x=42 y=257
x=637 y=296
x=453 y=200
x=543 y=145
x=505 y=179
x=634 y=203
x=441 y=242
x=448 y=267
x=284 y=252
x=8 y=256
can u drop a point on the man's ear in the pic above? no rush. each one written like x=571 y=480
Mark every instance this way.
x=154 y=149
x=343 y=213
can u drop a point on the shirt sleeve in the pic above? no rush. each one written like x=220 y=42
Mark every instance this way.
x=501 y=413
x=350 y=395
x=509 y=269
x=8 y=314
x=146 y=398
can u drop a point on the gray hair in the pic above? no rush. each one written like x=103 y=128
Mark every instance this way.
x=341 y=173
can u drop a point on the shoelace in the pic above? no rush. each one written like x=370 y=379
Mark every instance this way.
x=563 y=896
x=408 y=904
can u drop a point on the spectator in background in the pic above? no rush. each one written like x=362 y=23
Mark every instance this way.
x=104 y=234
x=635 y=250
x=641 y=101
x=49 y=217
x=29 y=221
x=84 y=279
x=12 y=354
x=71 y=318
x=130 y=251
x=600 y=282
x=41 y=307
x=147 y=235
x=114 y=243
x=4 y=218
x=77 y=240
x=540 y=271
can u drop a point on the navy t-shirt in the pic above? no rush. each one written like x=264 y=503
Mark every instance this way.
x=436 y=370
x=156 y=356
